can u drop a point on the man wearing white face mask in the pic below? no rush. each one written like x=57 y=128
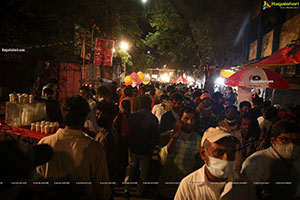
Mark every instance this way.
x=217 y=179
x=277 y=166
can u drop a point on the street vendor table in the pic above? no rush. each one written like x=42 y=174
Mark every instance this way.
x=21 y=134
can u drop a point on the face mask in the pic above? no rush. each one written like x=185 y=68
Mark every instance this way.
x=287 y=151
x=220 y=168
x=230 y=121
x=207 y=108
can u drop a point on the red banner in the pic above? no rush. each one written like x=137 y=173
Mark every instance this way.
x=103 y=52
x=69 y=80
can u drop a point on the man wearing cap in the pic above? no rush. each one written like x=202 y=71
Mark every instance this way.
x=217 y=179
x=206 y=117
x=179 y=156
x=276 y=170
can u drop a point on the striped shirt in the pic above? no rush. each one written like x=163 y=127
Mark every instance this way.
x=178 y=164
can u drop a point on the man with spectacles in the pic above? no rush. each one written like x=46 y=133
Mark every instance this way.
x=217 y=179
x=276 y=170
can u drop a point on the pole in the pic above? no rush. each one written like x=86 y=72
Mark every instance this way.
x=124 y=67
x=273 y=95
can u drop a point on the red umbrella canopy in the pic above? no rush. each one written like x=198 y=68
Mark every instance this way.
x=180 y=79
x=280 y=57
x=257 y=78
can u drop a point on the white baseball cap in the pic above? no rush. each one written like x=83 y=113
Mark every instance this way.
x=215 y=134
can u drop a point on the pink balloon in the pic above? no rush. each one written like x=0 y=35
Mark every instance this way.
x=139 y=82
x=134 y=76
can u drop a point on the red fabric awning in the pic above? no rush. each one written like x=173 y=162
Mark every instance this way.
x=279 y=58
x=180 y=79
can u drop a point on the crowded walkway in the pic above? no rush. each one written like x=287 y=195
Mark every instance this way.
x=161 y=142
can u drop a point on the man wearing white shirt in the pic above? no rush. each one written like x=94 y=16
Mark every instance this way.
x=217 y=178
x=159 y=109
x=277 y=168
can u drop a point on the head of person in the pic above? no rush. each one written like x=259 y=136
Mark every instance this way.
x=52 y=83
x=188 y=117
x=228 y=91
x=177 y=102
x=84 y=92
x=103 y=94
x=285 y=139
x=104 y=114
x=128 y=91
x=48 y=92
x=218 y=150
x=144 y=102
x=245 y=107
x=196 y=97
x=74 y=111
x=269 y=113
x=142 y=89
x=157 y=85
x=18 y=160
x=231 y=114
x=206 y=99
x=249 y=126
x=217 y=97
x=257 y=102
x=134 y=92
x=227 y=102
x=125 y=106
x=163 y=100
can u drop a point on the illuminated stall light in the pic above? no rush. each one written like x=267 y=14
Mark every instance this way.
x=190 y=79
x=220 y=81
x=164 y=78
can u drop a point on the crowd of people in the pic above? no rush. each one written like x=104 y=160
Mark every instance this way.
x=207 y=146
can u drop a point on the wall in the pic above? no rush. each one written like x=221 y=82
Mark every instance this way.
x=253 y=50
x=267 y=44
x=290 y=30
x=285 y=98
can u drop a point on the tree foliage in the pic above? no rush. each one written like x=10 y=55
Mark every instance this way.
x=197 y=33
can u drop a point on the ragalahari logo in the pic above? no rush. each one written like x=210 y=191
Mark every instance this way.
x=266 y=5
x=281 y=5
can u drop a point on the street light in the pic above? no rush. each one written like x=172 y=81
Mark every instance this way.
x=144 y=1
x=124 y=45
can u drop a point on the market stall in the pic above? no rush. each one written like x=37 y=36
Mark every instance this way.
x=21 y=134
x=255 y=78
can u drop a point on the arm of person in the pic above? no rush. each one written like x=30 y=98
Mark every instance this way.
x=177 y=129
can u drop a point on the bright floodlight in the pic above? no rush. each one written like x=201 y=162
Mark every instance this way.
x=144 y=1
x=220 y=81
x=165 y=78
x=190 y=79
x=124 y=45
x=114 y=50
